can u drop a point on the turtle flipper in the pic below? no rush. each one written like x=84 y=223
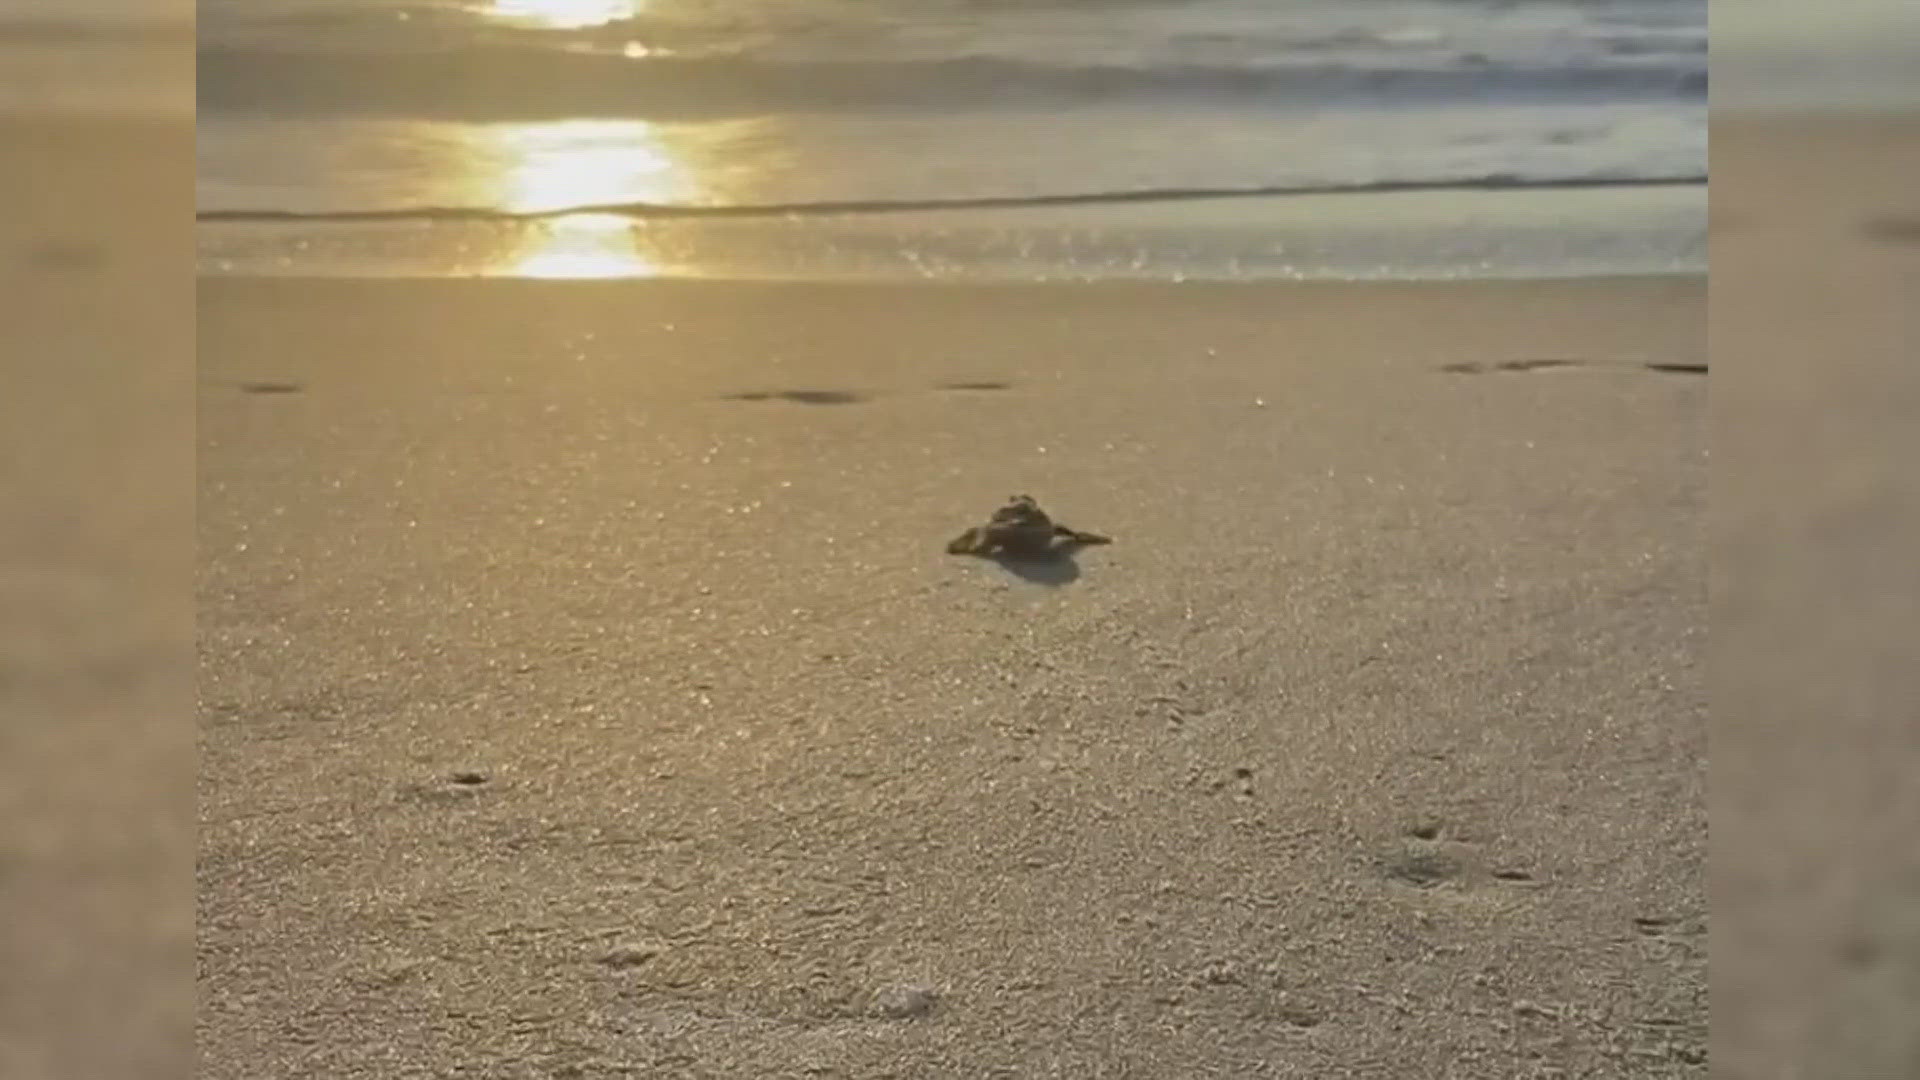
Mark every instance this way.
x=1078 y=537
x=967 y=543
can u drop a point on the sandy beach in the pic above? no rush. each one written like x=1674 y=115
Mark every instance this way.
x=96 y=631
x=1816 y=510
x=584 y=690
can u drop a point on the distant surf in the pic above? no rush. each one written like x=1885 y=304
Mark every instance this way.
x=494 y=83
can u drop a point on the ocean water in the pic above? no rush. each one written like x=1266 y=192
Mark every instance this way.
x=657 y=111
x=118 y=56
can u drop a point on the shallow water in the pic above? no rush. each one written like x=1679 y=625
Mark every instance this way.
x=519 y=105
x=1407 y=236
x=791 y=109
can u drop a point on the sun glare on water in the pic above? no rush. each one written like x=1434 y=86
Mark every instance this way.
x=567 y=164
x=582 y=246
x=581 y=163
x=567 y=14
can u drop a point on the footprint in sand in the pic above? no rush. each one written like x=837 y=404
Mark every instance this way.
x=802 y=397
x=1421 y=867
x=1892 y=230
x=1299 y=1014
x=976 y=386
x=1655 y=925
x=906 y=1002
x=1430 y=854
x=629 y=956
x=1511 y=367
x=456 y=786
x=848 y=397
x=59 y=255
x=1534 y=365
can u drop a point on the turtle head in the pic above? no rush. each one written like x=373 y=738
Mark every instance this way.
x=1020 y=510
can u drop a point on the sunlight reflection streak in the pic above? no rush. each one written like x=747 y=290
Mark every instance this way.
x=583 y=246
x=566 y=14
x=573 y=163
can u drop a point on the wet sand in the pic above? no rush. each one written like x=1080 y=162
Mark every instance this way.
x=1559 y=232
x=585 y=692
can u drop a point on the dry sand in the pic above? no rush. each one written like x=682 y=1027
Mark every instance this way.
x=96 y=627
x=1816 y=598
x=584 y=691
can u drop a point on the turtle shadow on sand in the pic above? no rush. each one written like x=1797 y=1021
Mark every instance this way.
x=1027 y=543
x=1053 y=568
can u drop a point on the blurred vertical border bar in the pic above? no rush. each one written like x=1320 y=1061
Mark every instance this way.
x=96 y=517
x=1815 y=324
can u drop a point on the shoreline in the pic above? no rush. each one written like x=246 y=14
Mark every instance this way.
x=644 y=212
x=1418 y=235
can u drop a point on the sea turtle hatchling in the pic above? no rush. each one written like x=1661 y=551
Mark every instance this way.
x=1020 y=529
